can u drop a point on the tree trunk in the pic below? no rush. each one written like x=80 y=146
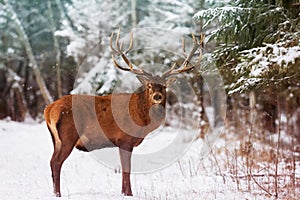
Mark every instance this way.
x=200 y=84
x=57 y=50
x=12 y=102
x=133 y=13
x=19 y=104
x=19 y=28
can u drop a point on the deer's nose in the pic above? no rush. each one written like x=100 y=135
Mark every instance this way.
x=157 y=97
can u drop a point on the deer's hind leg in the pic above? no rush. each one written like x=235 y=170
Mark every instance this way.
x=62 y=150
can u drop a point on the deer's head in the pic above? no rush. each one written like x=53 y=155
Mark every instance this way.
x=154 y=85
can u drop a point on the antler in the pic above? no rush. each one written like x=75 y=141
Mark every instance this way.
x=120 y=52
x=186 y=62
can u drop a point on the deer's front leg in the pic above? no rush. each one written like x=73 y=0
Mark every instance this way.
x=125 y=156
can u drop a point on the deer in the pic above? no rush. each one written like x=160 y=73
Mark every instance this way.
x=120 y=120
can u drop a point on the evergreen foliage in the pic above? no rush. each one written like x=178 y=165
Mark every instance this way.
x=257 y=44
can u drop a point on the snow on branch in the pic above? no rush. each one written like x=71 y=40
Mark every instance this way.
x=220 y=14
x=260 y=65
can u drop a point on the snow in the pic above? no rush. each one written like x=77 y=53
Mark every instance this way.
x=25 y=172
x=261 y=62
x=219 y=13
x=265 y=56
x=85 y=85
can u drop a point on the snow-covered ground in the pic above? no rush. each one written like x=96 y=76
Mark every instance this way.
x=26 y=149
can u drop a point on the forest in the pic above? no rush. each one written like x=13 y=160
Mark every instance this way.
x=246 y=87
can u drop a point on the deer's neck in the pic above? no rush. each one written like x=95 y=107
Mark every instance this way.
x=141 y=110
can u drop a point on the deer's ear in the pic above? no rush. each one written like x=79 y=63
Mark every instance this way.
x=170 y=81
x=144 y=80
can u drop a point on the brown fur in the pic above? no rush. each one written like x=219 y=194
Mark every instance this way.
x=95 y=122
x=116 y=120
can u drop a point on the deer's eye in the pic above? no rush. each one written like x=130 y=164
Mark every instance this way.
x=149 y=86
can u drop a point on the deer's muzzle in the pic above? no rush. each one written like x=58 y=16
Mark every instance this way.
x=157 y=98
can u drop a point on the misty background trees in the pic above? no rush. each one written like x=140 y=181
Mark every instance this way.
x=47 y=45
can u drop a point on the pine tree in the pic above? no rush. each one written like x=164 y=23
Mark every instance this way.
x=248 y=41
x=257 y=51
